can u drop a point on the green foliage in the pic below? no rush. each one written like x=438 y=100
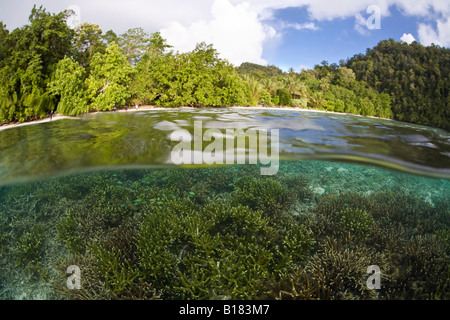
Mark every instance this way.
x=416 y=77
x=87 y=42
x=29 y=56
x=69 y=84
x=345 y=76
x=258 y=70
x=317 y=100
x=197 y=78
x=285 y=98
x=104 y=88
x=134 y=44
x=4 y=43
x=107 y=83
x=266 y=98
x=327 y=87
x=300 y=103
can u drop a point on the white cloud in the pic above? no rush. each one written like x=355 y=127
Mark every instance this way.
x=440 y=36
x=234 y=30
x=330 y=10
x=321 y=10
x=423 y=8
x=239 y=29
x=304 y=26
x=408 y=38
x=281 y=26
x=303 y=68
x=361 y=24
x=118 y=15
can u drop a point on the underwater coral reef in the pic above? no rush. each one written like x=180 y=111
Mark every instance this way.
x=309 y=232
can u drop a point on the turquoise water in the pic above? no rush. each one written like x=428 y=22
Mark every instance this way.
x=102 y=193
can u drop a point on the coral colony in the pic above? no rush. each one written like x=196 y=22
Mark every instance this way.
x=225 y=233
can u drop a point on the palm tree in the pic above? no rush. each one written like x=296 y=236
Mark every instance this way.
x=269 y=85
x=291 y=72
x=300 y=90
x=317 y=99
x=254 y=86
x=324 y=84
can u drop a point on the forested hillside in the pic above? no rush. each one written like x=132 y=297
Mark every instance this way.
x=46 y=66
x=326 y=87
x=416 y=77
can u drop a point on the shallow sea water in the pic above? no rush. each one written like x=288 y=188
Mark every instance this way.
x=96 y=202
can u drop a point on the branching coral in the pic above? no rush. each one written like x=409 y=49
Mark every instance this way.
x=267 y=195
x=422 y=270
x=340 y=272
x=225 y=233
x=354 y=223
x=216 y=250
x=29 y=247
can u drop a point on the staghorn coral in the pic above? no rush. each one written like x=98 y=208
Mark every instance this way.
x=353 y=224
x=267 y=195
x=343 y=217
x=226 y=233
x=216 y=250
x=421 y=271
x=298 y=186
x=221 y=181
x=298 y=285
x=187 y=243
x=29 y=246
x=109 y=269
x=335 y=203
x=118 y=274
x=417 y=216
x=67 y=232
x=340 y=272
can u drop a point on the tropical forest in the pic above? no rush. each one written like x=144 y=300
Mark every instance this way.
x=46 y=66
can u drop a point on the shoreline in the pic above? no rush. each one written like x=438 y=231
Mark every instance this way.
x=29 y=123
x=57 y=117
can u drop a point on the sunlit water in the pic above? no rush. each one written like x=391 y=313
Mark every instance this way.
x=348 y=192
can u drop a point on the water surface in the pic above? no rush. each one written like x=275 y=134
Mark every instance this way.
x=142 y=138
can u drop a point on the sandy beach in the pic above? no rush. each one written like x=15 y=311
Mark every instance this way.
x=21 y=124
x=143 y=108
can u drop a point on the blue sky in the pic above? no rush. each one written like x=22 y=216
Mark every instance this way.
x=285 y=33
x=333 y=40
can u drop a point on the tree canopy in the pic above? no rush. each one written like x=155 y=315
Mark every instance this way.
x=29 y=55
x=46 y=66
x=416 y=77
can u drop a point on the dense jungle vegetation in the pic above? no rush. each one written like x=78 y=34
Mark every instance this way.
x=46 y=66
